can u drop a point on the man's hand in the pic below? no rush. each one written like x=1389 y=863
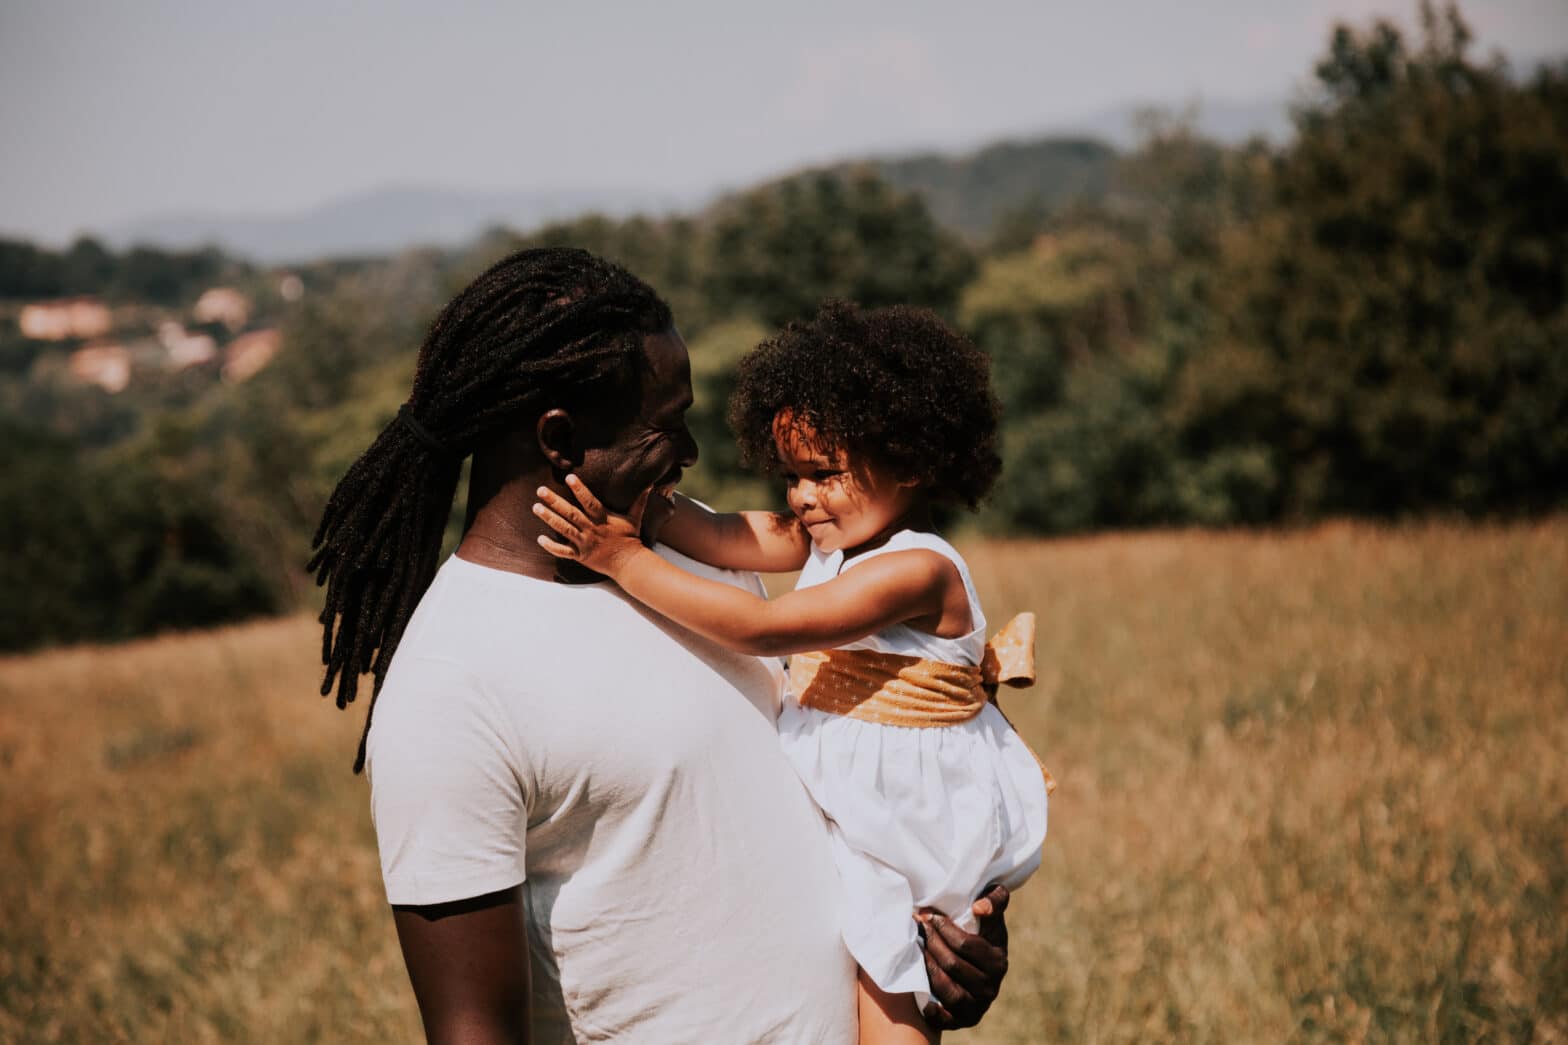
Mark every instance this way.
x=966 y=969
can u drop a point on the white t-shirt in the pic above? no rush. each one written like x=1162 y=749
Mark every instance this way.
x=628 y=772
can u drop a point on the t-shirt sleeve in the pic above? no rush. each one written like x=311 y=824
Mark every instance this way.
x=447 y=794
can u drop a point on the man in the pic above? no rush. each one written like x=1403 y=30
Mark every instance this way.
x=587 y=829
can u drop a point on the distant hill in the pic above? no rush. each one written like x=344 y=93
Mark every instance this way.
x=1229 y=122
x=965 y=191
x=969 y=193
x=382 y=221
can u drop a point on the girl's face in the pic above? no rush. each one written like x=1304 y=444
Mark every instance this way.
x=845 y=505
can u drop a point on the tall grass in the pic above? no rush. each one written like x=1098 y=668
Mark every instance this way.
x=1313 y=787
x=188 y=856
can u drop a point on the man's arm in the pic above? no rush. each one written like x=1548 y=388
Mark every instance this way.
x=468 y=961
x=966 y=969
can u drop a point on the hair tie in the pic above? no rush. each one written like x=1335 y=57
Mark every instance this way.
x=405 y=416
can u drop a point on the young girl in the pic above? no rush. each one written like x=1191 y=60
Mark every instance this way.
x=873 y=418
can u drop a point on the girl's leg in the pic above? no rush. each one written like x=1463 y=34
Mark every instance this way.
x=891 y=1019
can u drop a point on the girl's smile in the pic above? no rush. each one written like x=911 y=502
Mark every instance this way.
x=844 y=505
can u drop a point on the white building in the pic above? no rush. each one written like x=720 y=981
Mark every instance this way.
x=247 y=354
x=184 y=348
x=62 y=320
x=223 y=305
x=107 y=366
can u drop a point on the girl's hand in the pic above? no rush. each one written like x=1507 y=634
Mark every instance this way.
x=590 y=533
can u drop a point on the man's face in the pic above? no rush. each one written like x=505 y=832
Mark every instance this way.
x=653 y=447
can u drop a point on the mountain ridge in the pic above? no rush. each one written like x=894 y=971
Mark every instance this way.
x=966 y=189
x=381 y=220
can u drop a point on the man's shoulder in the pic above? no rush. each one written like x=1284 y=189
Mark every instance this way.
x=489 y=624
x=474 y=621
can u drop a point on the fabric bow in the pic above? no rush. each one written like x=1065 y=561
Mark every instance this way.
x=897 y=690
x=1009 y=656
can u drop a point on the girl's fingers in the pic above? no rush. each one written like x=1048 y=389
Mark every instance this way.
x=639 y=506
x=585 y=497
x=565 y=527
x=563 y=508
x=556 y=548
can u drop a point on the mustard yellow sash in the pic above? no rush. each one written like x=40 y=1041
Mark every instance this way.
x=892 y=689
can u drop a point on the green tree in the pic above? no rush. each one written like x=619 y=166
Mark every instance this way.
x=103 y=546
x=667 y=253
x=1065 y=299
x=88 y=267
x=1409 y=289
x=718 y=478
x=28 y=271
x=777 y=252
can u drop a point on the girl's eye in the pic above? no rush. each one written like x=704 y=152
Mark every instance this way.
x=823 y=475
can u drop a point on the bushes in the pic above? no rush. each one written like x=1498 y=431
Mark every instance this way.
x=111 y=546
x=779 y=251
x=1374 y=321
x=141 y=274
x=1370 y=320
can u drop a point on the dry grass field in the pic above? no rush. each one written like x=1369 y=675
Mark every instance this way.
x=1313 y=788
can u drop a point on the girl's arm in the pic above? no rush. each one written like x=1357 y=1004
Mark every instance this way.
x=885 y=590
x=764 y=542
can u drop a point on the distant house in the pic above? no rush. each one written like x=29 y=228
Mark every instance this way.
x=223 y=305
x=185 y=349
x=65 y=319
x=107 y=366
x=247 y=354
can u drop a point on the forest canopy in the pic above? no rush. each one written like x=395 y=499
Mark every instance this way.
x=1369 y=319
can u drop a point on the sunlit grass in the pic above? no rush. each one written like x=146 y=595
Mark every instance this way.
x=1312 y=788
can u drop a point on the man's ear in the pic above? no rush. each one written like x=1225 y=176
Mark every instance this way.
x=557 y=437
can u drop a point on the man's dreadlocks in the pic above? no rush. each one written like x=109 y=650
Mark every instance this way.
x=539 y=329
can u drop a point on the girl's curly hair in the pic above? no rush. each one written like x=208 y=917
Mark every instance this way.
x=893 y=385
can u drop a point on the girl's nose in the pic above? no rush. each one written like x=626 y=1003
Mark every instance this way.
x=802 y=495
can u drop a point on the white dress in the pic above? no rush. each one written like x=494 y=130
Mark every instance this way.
x=919 y=817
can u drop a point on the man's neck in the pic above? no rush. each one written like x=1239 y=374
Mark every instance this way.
x=504 y=533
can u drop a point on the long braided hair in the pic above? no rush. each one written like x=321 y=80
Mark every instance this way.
x=539 y=329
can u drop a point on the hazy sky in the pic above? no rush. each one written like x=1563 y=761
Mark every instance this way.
x=117 y=109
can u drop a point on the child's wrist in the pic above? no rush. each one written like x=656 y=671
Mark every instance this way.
x=622 y=557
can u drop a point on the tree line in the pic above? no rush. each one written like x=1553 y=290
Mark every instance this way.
x=87 y=267
x=1370 y=319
